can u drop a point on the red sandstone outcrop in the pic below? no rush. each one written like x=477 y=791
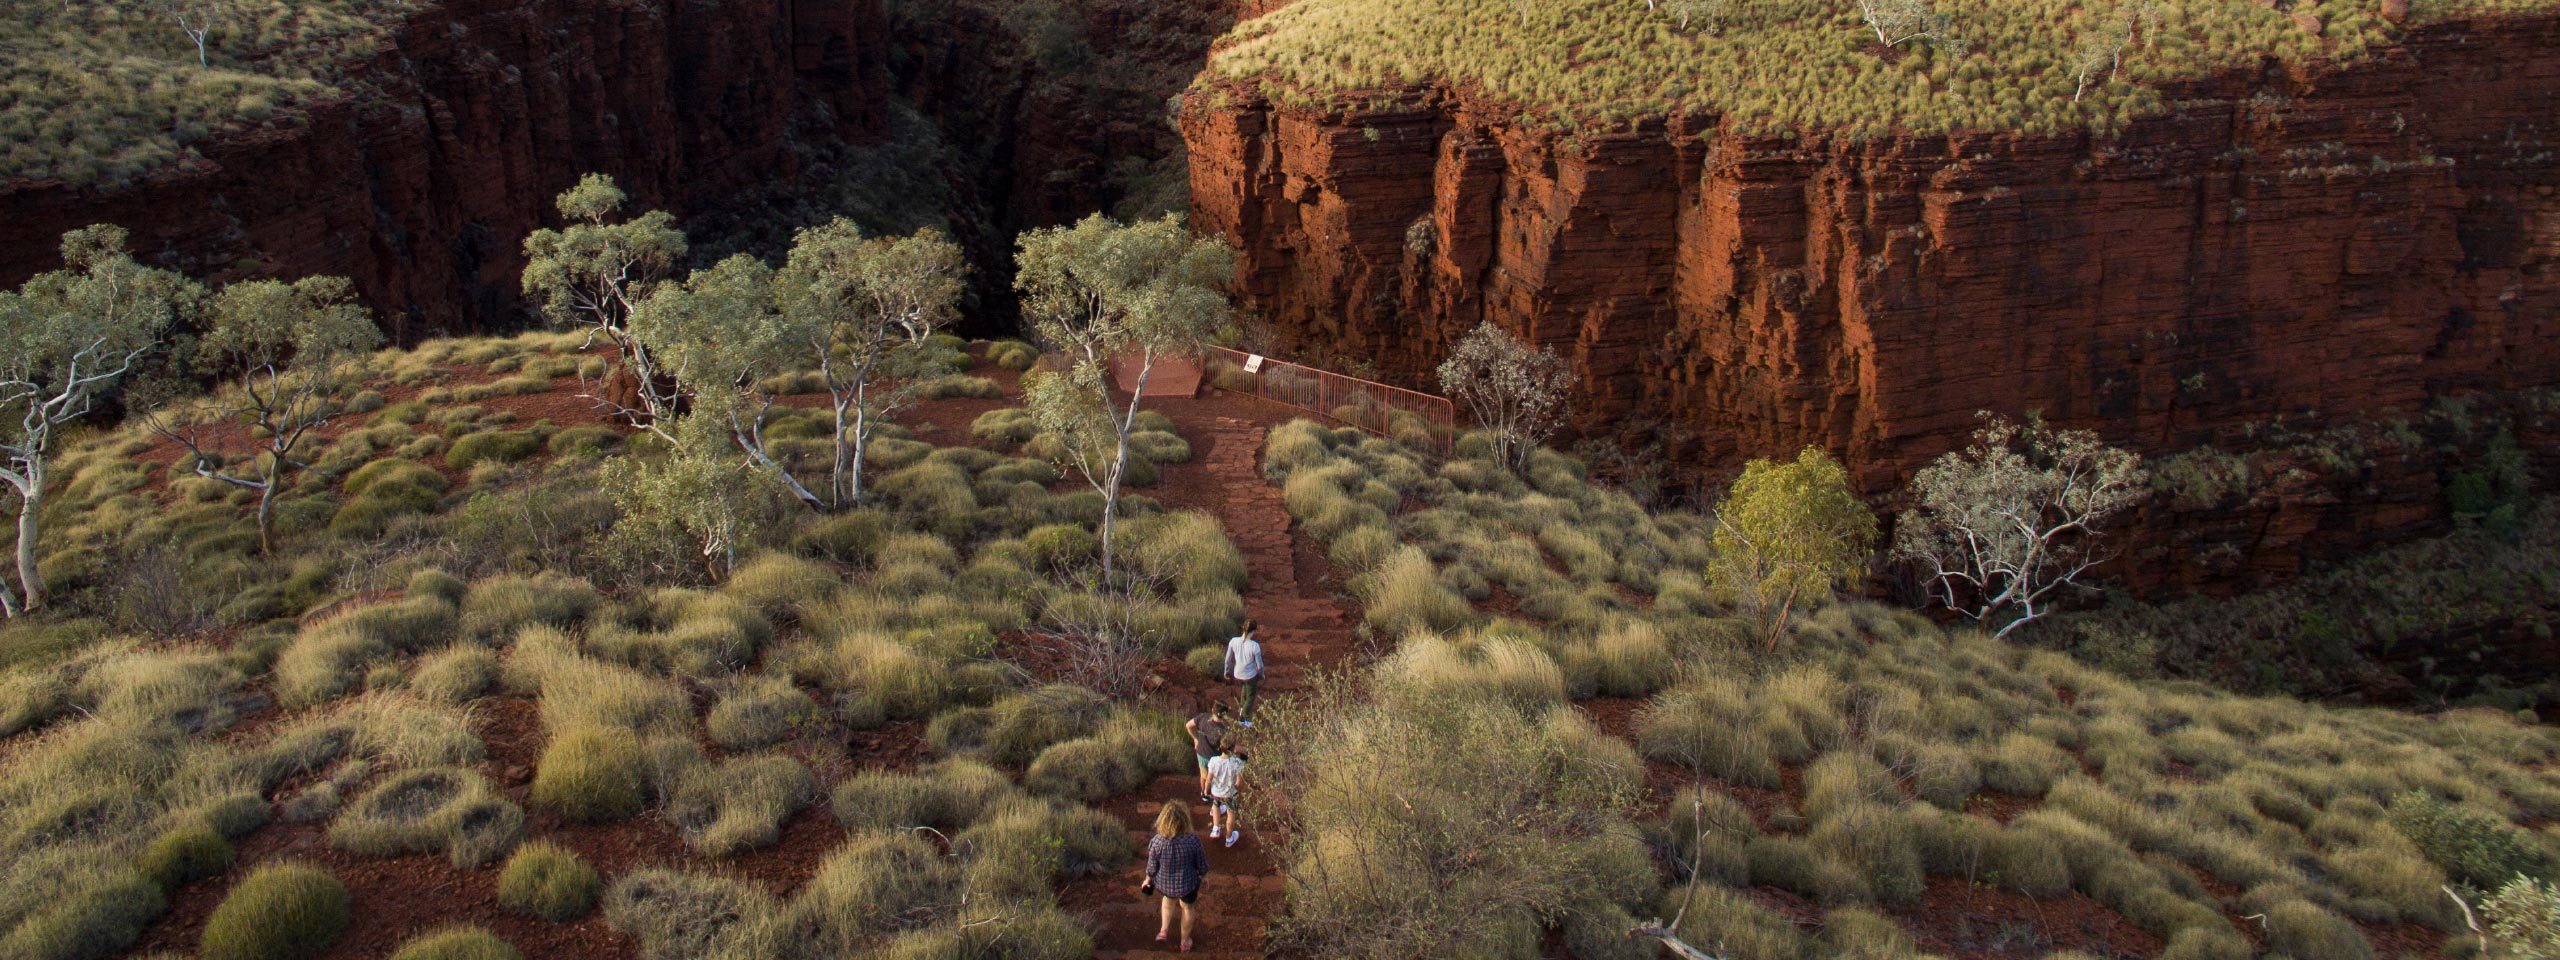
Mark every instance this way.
x=2316 y=245
x=480 y=111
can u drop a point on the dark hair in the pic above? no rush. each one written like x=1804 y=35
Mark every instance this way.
x=1251 y=625
x=1218 y=709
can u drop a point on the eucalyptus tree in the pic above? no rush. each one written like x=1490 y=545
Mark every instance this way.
x=282 y=352
x=67 y=336
x=2001 y=527
x=1101 y=291
x=1790 y=530
x=595 y=271
x=857 y=310
x=862 y=308
x=1517 y=393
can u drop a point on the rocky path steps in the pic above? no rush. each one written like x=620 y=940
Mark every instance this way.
x=1290 y=592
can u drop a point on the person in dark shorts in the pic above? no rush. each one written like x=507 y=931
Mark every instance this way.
x=1207 y=730
x=1224 y=772
x=1177 y=866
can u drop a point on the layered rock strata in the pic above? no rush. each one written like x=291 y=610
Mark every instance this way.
x=2304 y=247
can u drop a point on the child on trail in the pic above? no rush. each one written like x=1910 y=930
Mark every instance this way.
x=1208 y=731
x=1244 y=666
x=1224 y=772
x=1177 y=865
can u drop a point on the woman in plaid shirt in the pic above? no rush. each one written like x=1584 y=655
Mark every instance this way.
x=1177 y=865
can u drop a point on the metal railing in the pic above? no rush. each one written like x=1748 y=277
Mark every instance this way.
x=1406 y=416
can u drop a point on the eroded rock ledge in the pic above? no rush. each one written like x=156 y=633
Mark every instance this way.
x=2298 y=246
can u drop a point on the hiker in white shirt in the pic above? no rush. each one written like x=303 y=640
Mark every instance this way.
x=1244 y=666
x=1223 y=774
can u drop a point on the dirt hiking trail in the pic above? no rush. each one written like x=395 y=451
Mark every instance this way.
x=1303 y=628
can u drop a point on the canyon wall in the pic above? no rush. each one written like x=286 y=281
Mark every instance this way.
x=422 y=184
x=2300 y=247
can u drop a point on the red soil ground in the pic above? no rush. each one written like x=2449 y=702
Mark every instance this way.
x=398 y=898
x=1291 y=590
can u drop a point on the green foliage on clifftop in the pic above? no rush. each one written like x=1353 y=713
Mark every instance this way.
x=1795 y=65
x=102 y=91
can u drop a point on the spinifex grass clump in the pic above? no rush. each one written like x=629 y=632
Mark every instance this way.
x=549 y=881
x=1881 y=755
x=284 y=911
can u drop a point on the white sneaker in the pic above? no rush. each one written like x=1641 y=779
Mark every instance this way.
x=1231 y=838
x=1248 y=724
x=1213 y=831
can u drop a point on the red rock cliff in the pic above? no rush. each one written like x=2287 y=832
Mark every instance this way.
x=422 y=189
x=2319 y=245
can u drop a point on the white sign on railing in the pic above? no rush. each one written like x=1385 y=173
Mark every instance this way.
x=1253 y=363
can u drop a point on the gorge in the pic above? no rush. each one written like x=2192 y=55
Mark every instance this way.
x=2294 y=251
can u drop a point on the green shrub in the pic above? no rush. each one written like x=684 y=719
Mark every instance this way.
x=873 y=884
x=1732 y=922
x=685 y=916
x=457 y=943
x=384 y=489
x=372 y=477
x=1012 y=425
x=1013 y=354
x=956 y=386
x=1841 y=779
x=497 y=607
x=2207 y=943
x=1487 y=664
x=1130 y=749
x=1631 y=659
x=1207 y=660
x=1855 y=933
x=738 y=804
x=1159 y=446
x=451 y=810
x=684 y=633
x=280 y=911
x=455 y=675
x=2025 y=862
x=1404 y=594
x=583 y=440
x=1793 y=865
x=759 y=711
x=494 y=446
x=2024 y=765
x=1083 y=770
x=591 y=774
x=2526 y=914
x=2304 y=930
x=2470 y=846
x=1188 y=549
x=851 y=537
x=1706 y=725
x=549 y=881
x=1600 y=933
x=86 y=911
x=185 y=855
x=1014 y=731
x=946 y=796
x=325 y=660
x=1867 y=838
x=1057 y=546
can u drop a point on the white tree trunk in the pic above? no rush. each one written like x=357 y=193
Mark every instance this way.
x=30 y=511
